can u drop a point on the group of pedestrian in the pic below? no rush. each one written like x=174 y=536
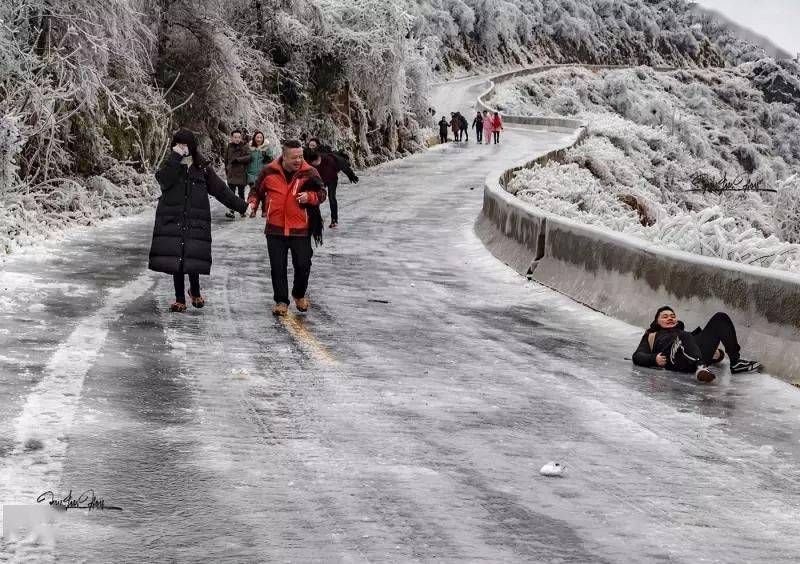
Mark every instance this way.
x=244 y=161
x=289 y=188
x=487 y=127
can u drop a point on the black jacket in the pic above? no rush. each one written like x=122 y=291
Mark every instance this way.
x=662 y=343
x=444 y=127
x=341 y=159
x=182 y=231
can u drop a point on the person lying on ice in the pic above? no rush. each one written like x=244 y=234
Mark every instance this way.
x=667 y=345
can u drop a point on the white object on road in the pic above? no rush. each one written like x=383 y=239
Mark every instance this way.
x=553 y=469
x=240 y=373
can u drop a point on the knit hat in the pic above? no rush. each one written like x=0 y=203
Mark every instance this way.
x=186 y=137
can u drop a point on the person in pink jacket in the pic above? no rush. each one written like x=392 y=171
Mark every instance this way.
x=497 y=127
x=487 y=127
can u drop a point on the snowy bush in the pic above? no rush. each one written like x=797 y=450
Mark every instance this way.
x=122 y=75
x=657 y=143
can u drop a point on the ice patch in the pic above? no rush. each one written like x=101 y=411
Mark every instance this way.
x=49 y=410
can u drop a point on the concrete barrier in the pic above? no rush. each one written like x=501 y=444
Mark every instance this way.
x=629 y=278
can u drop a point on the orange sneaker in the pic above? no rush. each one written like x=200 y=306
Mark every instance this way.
x=302 y=303
x=280 y=310
x=177 y=307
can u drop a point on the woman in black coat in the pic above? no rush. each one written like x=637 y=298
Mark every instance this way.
x=182 y=232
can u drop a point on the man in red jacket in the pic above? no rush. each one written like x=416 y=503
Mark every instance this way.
x=293 y=191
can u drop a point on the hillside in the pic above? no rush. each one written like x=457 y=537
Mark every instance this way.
x=701 y=160
x=91 y=90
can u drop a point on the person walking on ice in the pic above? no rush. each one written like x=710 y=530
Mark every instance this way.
x=182 y=231
x=477 y=123
x=463 y=128
x=237 y=157
x=293 y=191
x=497 y=126
x=329 y=167
x=487 y=127
x=260 y=155
x=443 y=127
x=666 y=344
x=454 y=125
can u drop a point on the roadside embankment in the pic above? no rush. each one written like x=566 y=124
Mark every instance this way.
x=629 y=278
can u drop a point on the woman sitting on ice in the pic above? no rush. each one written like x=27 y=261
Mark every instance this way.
x=665 y=344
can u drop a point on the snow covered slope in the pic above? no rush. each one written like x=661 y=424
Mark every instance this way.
x=660 y=143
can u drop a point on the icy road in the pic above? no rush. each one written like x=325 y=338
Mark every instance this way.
x=404 y=418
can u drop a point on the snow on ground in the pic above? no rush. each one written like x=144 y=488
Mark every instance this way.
x=654 y=137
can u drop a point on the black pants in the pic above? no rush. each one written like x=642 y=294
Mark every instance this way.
x=479 y=133
x=464 y=133
x=443 y=137
x=238 y=187
x=180 y=286
x=333 y=202
x=496 y=136
x=278 y=247
x=719 y=329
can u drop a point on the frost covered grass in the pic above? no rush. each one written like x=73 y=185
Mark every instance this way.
x=651 y=134
x=27 y=216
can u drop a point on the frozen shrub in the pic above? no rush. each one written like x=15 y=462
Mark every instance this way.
x=653 y=137
x=787 y=210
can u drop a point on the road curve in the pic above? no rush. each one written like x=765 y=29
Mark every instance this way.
x=403 y=419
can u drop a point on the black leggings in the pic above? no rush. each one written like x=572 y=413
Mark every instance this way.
x=479 y=133
x=463 y=134
x=443 y=138
x=180 y=286
x=719 y=329
x=496 y=136
x=333 y=203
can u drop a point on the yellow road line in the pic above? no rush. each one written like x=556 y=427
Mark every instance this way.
x=298 y=330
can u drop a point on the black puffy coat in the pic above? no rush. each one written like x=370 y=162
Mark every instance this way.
x=182 y=231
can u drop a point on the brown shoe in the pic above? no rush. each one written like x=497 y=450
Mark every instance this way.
x=177 y=307
x=302 y=303
x=197 y=301
x=704 y=374
x=333 y=225
x=280 y=310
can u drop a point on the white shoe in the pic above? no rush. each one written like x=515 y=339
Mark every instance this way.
x=553 y=469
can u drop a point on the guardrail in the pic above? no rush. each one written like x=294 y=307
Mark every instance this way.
x=629 y=278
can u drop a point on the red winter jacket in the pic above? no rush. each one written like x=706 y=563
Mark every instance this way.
x=284 y=215
x=497 y=123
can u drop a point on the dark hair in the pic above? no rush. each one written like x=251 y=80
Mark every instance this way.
x=663 y=308
x=188 y=138
x=315 y=140
x=292 y=144
x=253 y=142
x=239 y=131
x=654 y=326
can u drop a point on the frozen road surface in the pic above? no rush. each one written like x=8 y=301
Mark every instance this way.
x=403 y=419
